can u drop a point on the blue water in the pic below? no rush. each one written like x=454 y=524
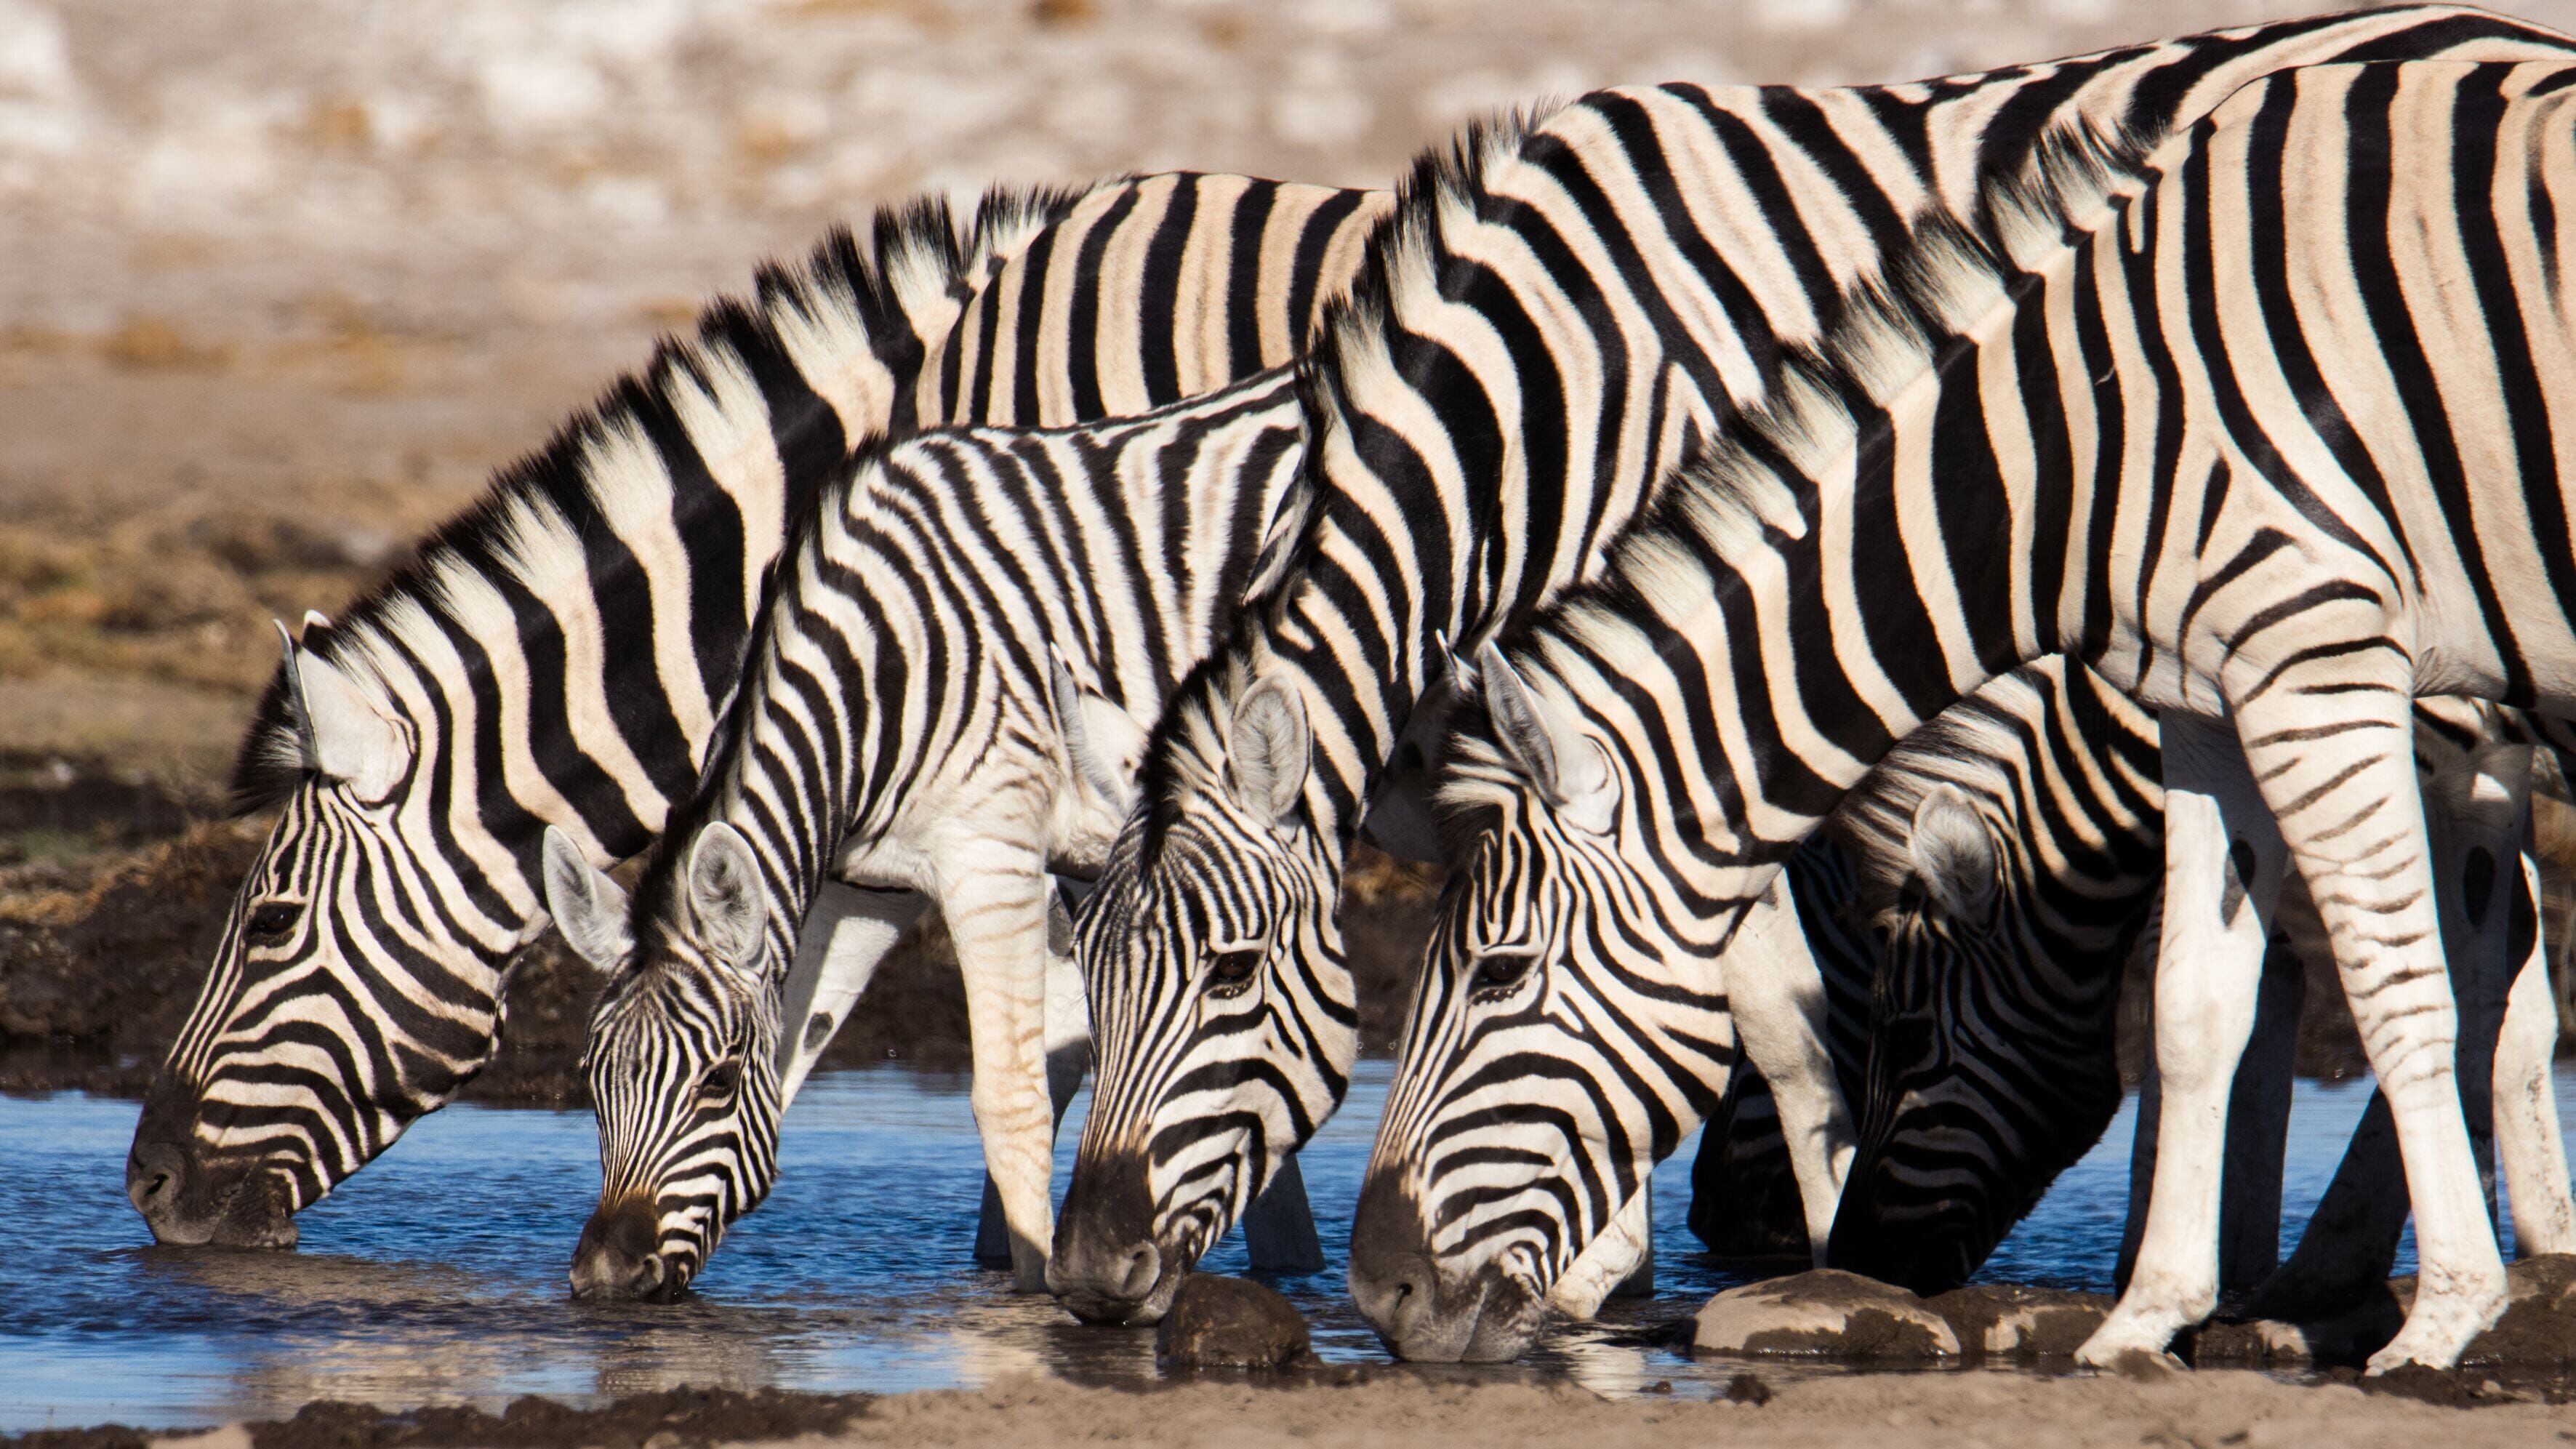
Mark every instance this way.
x=437 y=1274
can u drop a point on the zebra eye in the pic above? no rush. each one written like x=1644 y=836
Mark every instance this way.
x=1498 y=972
x=271 y=923
x=720 y=1081
x=1230 y=971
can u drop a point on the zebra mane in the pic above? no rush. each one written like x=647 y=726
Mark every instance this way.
x=1400 y=269
x=531 y=522
x=1756 y=480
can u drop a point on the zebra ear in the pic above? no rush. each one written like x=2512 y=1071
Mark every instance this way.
x=1563 y=764
x=726 y=894
x=1954 y=854
x=1105 y=742
x=588 y=907
x=341 y=733
x=1270 y=751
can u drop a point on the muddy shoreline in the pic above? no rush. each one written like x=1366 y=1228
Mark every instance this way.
x=1437 y=1409
x=113 y=890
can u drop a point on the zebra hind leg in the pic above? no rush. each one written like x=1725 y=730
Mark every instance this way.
x=2352 y=815
x=2533 y=1154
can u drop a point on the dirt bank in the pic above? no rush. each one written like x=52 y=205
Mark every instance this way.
x=1356 y=1409
x=114 y=885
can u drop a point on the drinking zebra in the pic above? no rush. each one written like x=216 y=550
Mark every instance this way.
x=2282 y=397
x=559 y=654
x=945 y=626
x=1554 y=316
x=2012 y=904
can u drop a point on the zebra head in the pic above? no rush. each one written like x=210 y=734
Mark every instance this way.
x=1563 y=1038
x=298 y=1063
x=682 y=1063
x=1949 y=930
x=1221 y=1003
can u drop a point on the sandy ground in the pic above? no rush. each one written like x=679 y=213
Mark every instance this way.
x=1393 y=1409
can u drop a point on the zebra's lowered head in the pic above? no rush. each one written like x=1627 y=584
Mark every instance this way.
x=1493 y=1172
x=284 y=1081
x=683 y=1059
x=1221 y=1003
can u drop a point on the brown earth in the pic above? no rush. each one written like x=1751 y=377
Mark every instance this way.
x=1400 y=1409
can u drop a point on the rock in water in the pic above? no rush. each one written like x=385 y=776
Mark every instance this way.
x=2008 y=1321
x=1825 y=1314
x=1217 y=1322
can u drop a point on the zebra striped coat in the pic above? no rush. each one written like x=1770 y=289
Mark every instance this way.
x=1555 y=315
x=2284 y=409
x=559 y=654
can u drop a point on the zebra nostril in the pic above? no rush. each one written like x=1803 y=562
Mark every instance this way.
x=1144 y=1269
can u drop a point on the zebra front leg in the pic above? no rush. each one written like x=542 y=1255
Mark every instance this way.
x=1611 y=1262
x=2350 y=811
x=1777 y=995
x=994 y=896
x=2533 y=1153
x=1068 y=1058
x=2223 y=868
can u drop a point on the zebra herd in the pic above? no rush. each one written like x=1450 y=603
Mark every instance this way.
x=1831 y=570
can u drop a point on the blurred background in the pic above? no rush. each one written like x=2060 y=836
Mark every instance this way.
x=282 y=281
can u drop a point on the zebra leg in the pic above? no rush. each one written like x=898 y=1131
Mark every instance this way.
x=2526 y=1105
x=1779 y=1009
x=848 y=932
x=2223 y=867
x=1610 y=1265
x=2352 y=815
x=2477 y=814
x=1068 y=1058
x=995 y=897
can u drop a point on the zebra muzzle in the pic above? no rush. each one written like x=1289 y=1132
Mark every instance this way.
x=189 y=1202
x=619 y=1255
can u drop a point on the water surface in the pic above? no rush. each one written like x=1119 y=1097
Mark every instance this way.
x=437 y=1274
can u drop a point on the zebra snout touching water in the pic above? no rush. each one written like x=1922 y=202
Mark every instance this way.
x=2220 y=419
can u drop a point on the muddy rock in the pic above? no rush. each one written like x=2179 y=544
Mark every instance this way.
x=2008 y=1321
x=1218 y=1322
x=1825 y=1314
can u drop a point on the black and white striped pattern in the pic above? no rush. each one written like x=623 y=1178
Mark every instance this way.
x=2018 y=902
x=1556 y=315
x=558 y=655
x=946 y=697
x=2285 y=410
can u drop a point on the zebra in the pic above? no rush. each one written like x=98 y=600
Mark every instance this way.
x=1555 y=314
x=558 y=654
x=2278 y=514
x=2011 y=904
x=955 y=612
